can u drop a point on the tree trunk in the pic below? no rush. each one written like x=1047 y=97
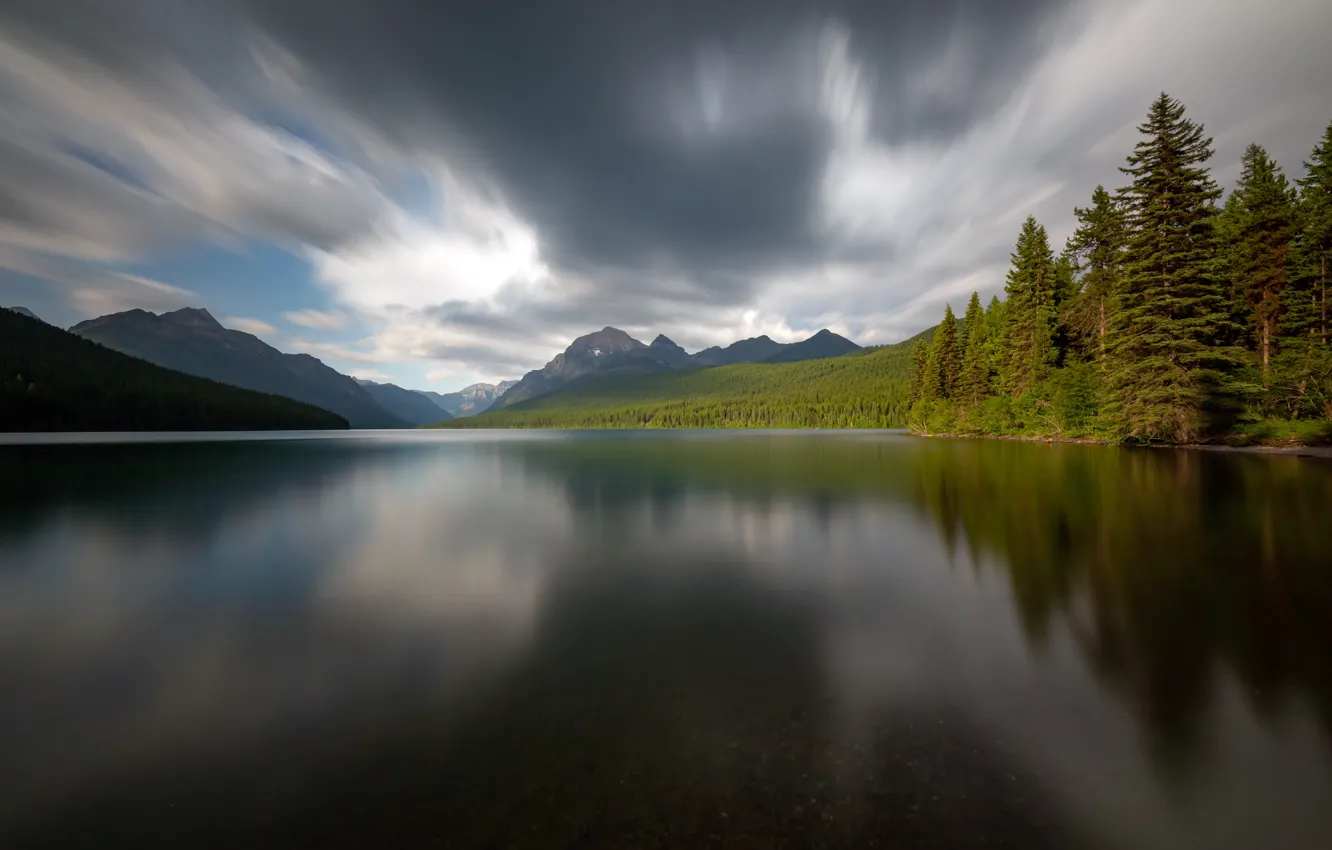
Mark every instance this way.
x=1267 y=347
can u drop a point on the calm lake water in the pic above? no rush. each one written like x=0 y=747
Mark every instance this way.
x=624 y=640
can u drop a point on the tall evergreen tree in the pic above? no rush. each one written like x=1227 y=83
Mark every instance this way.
x=973 y=382
x=1066 y=277
x=1065 y=291
x=1028 y=347
x=1098 y=246
x=1316 y=236
x=996 y=320
x=1262 y=223
x=1170 y=365
x=931 y=382
x=948 y=355
x=920 y=355
x=973 y=323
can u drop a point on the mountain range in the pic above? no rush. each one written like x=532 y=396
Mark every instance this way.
x=469 y=400
x=610 y=352
x=412 y=406
x=53 y=380
x=190 y=340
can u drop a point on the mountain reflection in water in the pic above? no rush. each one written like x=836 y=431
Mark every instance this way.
x=633 y=640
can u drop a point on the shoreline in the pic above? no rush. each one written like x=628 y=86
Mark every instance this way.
x=1295 y=450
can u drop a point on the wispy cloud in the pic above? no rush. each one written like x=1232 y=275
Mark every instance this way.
x=250 y=326
x=115 y=293
x=319 y=320
x=339 y=351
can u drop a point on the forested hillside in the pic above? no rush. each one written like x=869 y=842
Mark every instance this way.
x=1168 y=316
x=865 y=389
x=53 y=380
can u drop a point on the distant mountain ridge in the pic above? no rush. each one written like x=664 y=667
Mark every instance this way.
x=754 y=350
x=612 y=352
x=821 y=346
x=469 y=400
x=24 y=311
x=190 y=340
x=409 y=405
x=54 y=380
x=868 y=388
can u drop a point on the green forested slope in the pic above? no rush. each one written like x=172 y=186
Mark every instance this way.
x=866 y=389
x=53 y=380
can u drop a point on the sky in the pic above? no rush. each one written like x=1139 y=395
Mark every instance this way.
x=437 y=193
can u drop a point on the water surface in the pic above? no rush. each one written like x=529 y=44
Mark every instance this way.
x=662 y=640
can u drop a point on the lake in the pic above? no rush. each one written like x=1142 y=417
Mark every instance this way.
x=619 y=640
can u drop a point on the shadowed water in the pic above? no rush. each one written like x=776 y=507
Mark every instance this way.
x=662 y=640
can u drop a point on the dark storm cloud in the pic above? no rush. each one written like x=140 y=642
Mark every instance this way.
x=705 y=169
x=553 y=100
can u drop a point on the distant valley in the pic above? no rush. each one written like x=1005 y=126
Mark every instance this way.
x=470 y=400
x=411 y=406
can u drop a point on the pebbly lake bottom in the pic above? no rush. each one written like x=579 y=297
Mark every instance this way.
x=691 y=639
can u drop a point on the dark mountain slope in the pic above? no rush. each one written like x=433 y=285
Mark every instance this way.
x=24 y=311
x=405 y=404
x=753 y=350
x=52 y=380
x=823 y=344
x=192 y=341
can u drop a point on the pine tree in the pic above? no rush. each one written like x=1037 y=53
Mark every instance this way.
x=931 y=383
x=1170 y=365
x=973 y=323
x=1261 y=213
x=1065 y=291
x=1066 y=277
x=1316 y=236
x=920 y=354
x=973 y=383
x=1028 y=347
x=948 y=355
x=1098 y=247
x=996 y=321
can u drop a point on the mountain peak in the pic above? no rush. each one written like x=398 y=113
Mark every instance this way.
x=663 y=341
x=196 y=316
x=24 y=311
x=606 y=340
x=821 y=345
